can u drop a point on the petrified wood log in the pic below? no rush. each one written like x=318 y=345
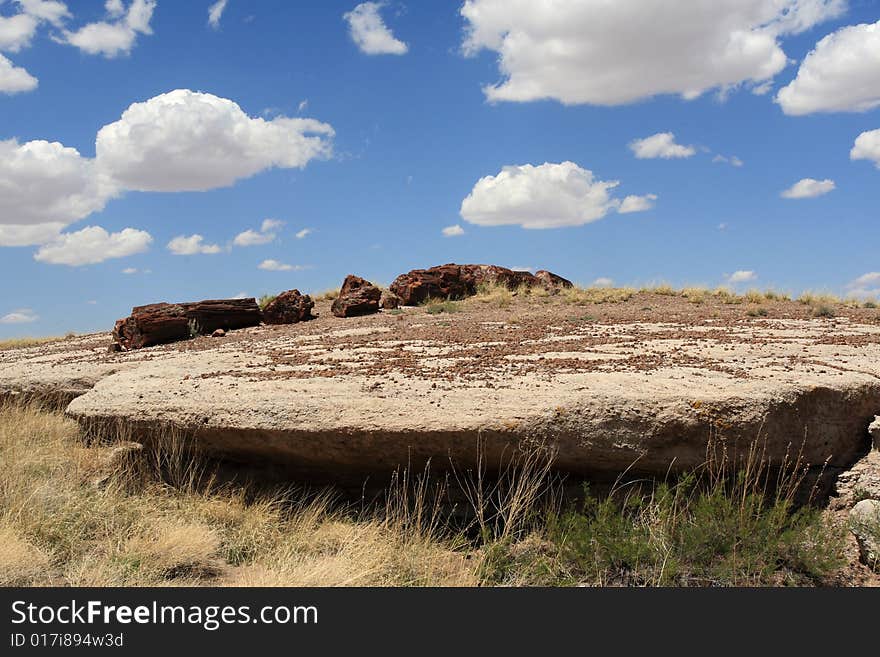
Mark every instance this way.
x=458 y=281
x=159 y=323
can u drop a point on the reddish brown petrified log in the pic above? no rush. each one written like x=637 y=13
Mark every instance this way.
x=289 y=308
x=357 y=297
x=159 y=323
x=458 y=281
x=551 y=281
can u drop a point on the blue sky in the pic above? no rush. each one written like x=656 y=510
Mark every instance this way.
x=525 y=109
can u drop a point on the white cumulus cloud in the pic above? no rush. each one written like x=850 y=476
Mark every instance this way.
x=29 y=235
x=634 y=203
x=809 y=188
x=865 y=286
x=116 y=36
x=14 y=79
x=453 y=231
x=268 y=233
x=275 y=265
x=215 y=12
x=369 y=32
x=733 y=160
x=192 y=245
x=92 y=245
x=20 y=316
x=544 y=196
x=16 y=32
x=46 y=182
x=741 y=276
x=603 y=282
x=867 y=147
x=662 y=145
x=189 y=141
x=304 y=233
x=610 y=53
x=842 y=74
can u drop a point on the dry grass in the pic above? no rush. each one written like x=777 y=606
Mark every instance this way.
x=66 y=520
x=696 y=295
x=815 y=299
x=594 y=295
x=24 y=343
x=326 y=295
x=108 y=514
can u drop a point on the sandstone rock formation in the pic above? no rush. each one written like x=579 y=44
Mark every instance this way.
x=160 y=323
x=289 y=308
x=453 y=281
x=357 y=297
x=321 y=401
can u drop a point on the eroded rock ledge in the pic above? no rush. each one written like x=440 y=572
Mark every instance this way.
x=339 y=399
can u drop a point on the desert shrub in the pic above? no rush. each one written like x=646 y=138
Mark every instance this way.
x=824 y=310
x=439 y=306
x=266 y=299
x=696 y=295
x=758 y=312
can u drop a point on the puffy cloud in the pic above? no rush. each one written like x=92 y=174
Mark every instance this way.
x=92 y=245
x=865 y=286
x=51 y=11
x=29 y=235
x=809 y=188
x=842 y=74
x=215 y=12
x=304 y=233
x=603 y=282
x=867 y=147
x=637 y=203
x=192 y=245
x=453 y=231
x=268 y=233
x=275 y=265
x=189 y=141
x=114 y=8
x=116 y=36
x=20 y=316
x=370 y=33
x=733 y=160
x=544 y=196
x=662 y=145
x=17 y=31
x=45 y=182
x=741 y=276
x=15 y=79
x=609 y=53
x=129 y=271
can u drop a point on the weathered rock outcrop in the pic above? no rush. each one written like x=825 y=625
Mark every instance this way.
x=357 y=297
x=552 y=281
x=453 y=281
x=289 y=308
x=865 y=526
x=160 y=323
x=321 y=401
x=389 y=301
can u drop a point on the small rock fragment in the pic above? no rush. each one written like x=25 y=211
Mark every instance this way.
x=874 y=431
x=219 y=333
x=864 y=523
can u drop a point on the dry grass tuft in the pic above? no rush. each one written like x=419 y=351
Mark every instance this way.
x=326 y=295
x=24 y=343
x=595 y=295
